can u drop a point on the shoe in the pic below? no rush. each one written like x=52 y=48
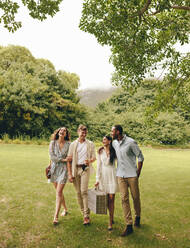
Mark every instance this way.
x=113 y=222
x=86 y=221
x=55 y=221
x=137 y=221
x=64 y=213
x=110 y=228
x=128 y=231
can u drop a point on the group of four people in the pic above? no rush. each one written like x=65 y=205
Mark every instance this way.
x=73 y=161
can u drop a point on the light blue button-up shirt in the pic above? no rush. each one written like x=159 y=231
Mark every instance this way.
x=127 y=151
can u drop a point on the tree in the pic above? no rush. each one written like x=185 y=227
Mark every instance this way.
x=35 y=99
x=133 y=113
x=142 y=35
x=38 y=9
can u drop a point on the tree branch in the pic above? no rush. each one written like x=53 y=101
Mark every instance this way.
x=145 y=8
x=154 y=13
x=141 y=12
x=181 y=7
x=173 y=7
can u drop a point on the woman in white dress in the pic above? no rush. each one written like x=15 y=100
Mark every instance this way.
x=106 y=174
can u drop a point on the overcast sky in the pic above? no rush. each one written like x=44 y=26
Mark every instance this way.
x=59 y=40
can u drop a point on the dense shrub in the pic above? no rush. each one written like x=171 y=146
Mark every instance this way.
x=132 y=112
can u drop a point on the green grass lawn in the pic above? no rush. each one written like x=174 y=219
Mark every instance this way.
x=27 y=204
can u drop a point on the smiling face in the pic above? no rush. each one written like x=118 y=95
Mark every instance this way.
x=62 y=132
x=114 y=133
x=82 y=133
x=106 y=142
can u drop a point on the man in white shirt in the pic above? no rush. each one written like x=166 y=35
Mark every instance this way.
x=127 y=151
x=82 y=154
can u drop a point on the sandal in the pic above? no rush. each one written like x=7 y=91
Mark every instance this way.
x=86 y=221
x=55 y=221
x=64 y=213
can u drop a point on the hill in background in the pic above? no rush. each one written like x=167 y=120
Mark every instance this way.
x=91 y=97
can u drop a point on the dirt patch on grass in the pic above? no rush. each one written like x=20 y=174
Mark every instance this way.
x=40 y=204
x=5 y=238
x=29 y=239
x=4 y=200
x=161 y=236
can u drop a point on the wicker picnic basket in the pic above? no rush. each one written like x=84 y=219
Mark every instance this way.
x=97 y=201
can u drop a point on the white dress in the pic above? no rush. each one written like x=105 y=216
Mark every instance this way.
x=106 y=173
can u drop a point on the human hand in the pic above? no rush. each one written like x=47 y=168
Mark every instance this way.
x=69 y=159
x=138 y=173
x=71 y=178
x=86 y=162
x=96 y=184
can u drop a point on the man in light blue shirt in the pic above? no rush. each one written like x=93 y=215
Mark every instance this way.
x=127 y=151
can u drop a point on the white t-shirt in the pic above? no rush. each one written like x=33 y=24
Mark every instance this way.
x=82 y=152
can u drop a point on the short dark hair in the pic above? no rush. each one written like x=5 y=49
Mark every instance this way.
x=119 y=128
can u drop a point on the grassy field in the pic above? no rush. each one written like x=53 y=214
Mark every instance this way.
x=27 y=204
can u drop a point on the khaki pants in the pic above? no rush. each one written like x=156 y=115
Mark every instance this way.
x=81 y=185
x=124 y=184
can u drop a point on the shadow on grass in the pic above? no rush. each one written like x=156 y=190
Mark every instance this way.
x=75 y=234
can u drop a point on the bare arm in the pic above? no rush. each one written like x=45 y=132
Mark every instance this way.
x=140 y=164
x=69 y=168
x=98 y=171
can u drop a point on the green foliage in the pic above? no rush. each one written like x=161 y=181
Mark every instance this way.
x=37 y=10
x=142 y=36
x=168 y=128
x=34 y=98
x=174 y=90
x=135 y=113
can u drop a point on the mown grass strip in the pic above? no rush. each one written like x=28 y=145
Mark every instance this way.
x=27 y=204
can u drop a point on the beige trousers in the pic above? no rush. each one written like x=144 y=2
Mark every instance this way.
x=81 y=185
x=124 y=185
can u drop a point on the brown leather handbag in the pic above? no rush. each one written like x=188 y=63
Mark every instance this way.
x=48 y=171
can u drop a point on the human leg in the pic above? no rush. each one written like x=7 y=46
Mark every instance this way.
x=123 y=187
x=84 y=193
x=111 y=198
x=55 y=185
x=134 y=188
x=65 y=211
x=63 y=201
x=77 y=185
x=59 y=199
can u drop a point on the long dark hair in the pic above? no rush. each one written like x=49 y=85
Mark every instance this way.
x=112 y=150
x=55 y=135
